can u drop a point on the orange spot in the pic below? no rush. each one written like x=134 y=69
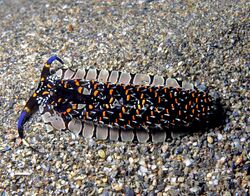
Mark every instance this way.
x=197 y=106
x=120 y=115
x=111 y=91
x=176 y=100
x=205 y=100
x=96 y=93
x=152 y=113
x=203 y=109
x=42 y=79
x=34 y=95
x=68 y=110
x=59 y=100
x=190 y=103
x=167 y=111
x=77 y=83
x=143 y=101
x=79 y=90
x=147 y=118
x=165 y=90
x=137 y=112
x=107 y=106
x=126 y=92
x=193 y=95
x=133 y=117
x=45 y=93
x=74 y=106
x=171 y=95
x=116 y=120
x=87 y=114
x=139 y=107
x=179 y=112
x=95 y=86
x=91 y=107
x=65 y=85
x=186 y=106
x=27 y=109
x=128 y=97
x=123 y=109
x=142 y=95
x=111 y=100
x=48 y=85
x=159 y=99
x=196 y=100
x=193 y=111
x=156 y=94
x=129 y=122
x=104 y=113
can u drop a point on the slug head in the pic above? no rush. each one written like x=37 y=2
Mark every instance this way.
x=40 y=96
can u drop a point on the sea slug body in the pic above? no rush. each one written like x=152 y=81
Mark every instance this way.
x=118 y=105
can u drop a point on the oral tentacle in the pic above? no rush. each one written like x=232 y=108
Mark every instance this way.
x=32 y=104
x=47 y=65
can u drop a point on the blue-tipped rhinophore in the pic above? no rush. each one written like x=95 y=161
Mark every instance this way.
x=20 y=123
x=53 y=58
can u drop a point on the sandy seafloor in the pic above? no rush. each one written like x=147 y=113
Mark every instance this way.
x=206 y=42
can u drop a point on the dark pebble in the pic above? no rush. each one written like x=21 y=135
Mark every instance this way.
x=179 y=150
x=129 y=192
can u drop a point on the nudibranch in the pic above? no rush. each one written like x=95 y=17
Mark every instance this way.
x=118 y=105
